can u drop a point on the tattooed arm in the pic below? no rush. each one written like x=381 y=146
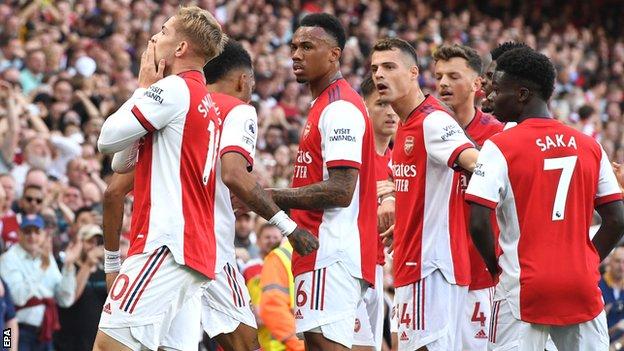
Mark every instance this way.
x=240 y=182
x=336 y=191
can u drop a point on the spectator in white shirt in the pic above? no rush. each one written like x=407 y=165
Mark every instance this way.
x=36 y=284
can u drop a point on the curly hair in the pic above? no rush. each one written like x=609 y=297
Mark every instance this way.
x=530 y=66
x=331 y=24
x=506 y=46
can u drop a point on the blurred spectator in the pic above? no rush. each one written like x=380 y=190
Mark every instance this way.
x=31 y=76
x=243 y=234
x=31 y=202
x=612 y=286
x=36 y=283
x=8 y=317
x=276 y=307
x=8 y=218
x=80 y=321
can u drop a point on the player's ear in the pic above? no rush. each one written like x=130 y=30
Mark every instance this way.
x=477 y=83
x=334 y=54
x=414 y=72
x=242 y=80
x=524 y=94
x=181 y=49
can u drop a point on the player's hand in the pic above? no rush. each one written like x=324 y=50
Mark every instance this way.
x=385 y=215
x=303 y=241
x=384 y=187
x=73 y=251
x=110 y=279
x=149 y=73
x=238 y=206
x=387 y=238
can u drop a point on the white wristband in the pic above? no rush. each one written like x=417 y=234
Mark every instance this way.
x=283 y=223
x=112 y=261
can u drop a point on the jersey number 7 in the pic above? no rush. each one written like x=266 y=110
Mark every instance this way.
x=567 y=165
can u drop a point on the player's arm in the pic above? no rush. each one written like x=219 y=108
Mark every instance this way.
x=113 y=202
x=482 y=235
x=609 y=205
x=125 y=160
x=342 y=128
x=447 y=143
x=611 y=228
x=336 y=191
x=240 y=182
x=483 y=193
x=237 y=146
x=148 y=110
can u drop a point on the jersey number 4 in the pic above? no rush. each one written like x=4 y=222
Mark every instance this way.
x=566 y=165
x=211 y=156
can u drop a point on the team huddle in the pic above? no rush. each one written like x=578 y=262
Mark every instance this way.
x=486 y=210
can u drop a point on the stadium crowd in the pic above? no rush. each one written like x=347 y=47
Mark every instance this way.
x=66 y=65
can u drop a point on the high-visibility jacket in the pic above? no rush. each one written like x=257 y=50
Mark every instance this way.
x=278 y=300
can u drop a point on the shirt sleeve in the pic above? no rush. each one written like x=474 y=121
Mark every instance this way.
x=342 y=127
x=608 y=187
x=240 y=132
x=65 y=291
x=23 y=286
x=150 y=110
x=444 y=138
x=125 y=160
x=488 y=180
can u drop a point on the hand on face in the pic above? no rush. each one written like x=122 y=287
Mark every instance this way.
x=149 y=72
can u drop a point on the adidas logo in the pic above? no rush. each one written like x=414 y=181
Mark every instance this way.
x=107 y=309
x=298 y=315
x=481 y=335
x=404 y=336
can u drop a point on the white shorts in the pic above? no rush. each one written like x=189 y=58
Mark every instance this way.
x=475 y=322
x=369 y=317
x=428 y=314
x=509 y=333
x=146 y=296
x=326 y=301
x=224 y=304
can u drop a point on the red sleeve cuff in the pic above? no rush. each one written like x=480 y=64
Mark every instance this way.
x=144 y=122
x=455 y=154
x=606 y=199
x=480 y=201
x=241 y=151
x=343 y=163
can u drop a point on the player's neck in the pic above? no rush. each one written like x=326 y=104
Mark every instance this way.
x=179 y=66
x=317 y=86
x=381 y=143
x=405 y=105
x=535 y=109
x=465 y=112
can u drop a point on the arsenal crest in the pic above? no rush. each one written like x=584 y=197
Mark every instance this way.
x=306 y=131
x=408 y=146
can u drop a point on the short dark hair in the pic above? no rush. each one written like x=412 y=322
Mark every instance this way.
x=234 y=56
x=506 y=46
x=368 y=86
x=331 y=24
x=32 y=186
x=386 y=44
x=447 y=52
x=528 y=65
x=585 y=112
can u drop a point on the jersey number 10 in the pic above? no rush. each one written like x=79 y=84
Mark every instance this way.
x=211 y=156
x=567 y=165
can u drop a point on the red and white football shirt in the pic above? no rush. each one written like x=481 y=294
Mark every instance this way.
x=238 y=122
x=338 y=133
x=544 y=179
x=429 y=231
x=383 y=172
x=174 y=185
x=481 y=128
